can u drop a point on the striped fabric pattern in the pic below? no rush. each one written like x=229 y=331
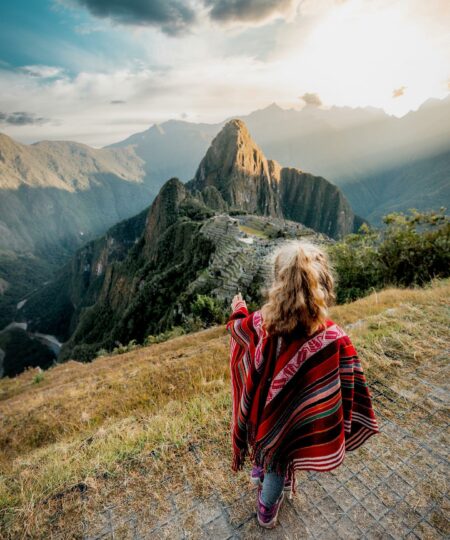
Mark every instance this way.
x=298 y=403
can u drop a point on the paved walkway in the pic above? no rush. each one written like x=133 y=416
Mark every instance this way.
x=392 y=487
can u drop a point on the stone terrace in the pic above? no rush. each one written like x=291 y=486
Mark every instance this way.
x=394 y=486
x=241 y=258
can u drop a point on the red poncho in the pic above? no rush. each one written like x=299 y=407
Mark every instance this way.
x=299 y=404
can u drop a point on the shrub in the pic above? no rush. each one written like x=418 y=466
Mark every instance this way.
x=208 y=309
x=121 y=349
x=411 y=250
x=165 y=336
x=39 y=377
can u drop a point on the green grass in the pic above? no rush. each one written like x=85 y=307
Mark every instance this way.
x=252 y=232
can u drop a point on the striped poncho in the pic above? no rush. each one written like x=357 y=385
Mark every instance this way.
x=297 y=404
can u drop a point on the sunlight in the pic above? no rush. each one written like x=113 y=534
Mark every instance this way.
x=358 y=57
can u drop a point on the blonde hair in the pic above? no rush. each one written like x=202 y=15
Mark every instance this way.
x=302 y=290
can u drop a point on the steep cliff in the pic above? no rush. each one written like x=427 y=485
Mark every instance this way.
x=57 y=307
x=147 y=292
x=237 y=168
x=314 y=201
x=210 y=236
x=236 y=176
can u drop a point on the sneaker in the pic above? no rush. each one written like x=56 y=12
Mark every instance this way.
x=268 y=515
x=257 y=475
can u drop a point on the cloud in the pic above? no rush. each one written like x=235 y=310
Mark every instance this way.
x=311 y=99
x=250 y=11
x=117 y=102
x=175 y=17
x=21 y=118
x=42 y=71
x=398 y=92
x=172 y=16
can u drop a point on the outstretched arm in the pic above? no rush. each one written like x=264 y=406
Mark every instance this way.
x=239 y=311
x=238 y=304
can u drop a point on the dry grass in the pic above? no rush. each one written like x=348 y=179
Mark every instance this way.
x=115 y=428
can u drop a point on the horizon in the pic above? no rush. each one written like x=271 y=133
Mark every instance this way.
x=227 y=119
x=96 y=72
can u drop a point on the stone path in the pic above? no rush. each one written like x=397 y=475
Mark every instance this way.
x=394 y=486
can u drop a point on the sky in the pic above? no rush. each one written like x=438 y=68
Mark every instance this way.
x=96 y=71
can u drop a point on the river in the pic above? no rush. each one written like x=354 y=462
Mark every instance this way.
x=50 y=341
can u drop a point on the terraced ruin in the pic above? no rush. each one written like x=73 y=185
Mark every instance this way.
x=243 y=245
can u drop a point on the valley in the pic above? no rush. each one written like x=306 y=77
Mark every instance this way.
x=58 y=198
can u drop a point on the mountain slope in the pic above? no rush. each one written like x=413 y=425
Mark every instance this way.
x=83 y=438
x=54 y=196
x=54 y=193
x=189 y=245
x=171 y=149
x=423 y=184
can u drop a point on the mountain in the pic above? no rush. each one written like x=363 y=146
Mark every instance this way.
x=421 y=183
x=236 y=167
x=56 y=192
x=209 y=236
x=342 y=144
x=53 y=197
x=171 y=149
x=238 y=171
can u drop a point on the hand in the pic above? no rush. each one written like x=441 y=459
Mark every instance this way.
x=236 y=301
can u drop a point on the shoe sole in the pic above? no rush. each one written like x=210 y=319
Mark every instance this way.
x=273 y=522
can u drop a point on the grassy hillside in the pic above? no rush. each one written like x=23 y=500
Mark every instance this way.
x=80 y=435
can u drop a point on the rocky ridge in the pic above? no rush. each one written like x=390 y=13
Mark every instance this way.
x=212 y=236
x=235 y=175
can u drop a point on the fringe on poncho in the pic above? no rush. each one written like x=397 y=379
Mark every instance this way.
x=298 y=404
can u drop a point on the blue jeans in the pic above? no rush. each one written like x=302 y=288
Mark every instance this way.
x=272 y=488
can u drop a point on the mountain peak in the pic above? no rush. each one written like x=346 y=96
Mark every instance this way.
x=233 y=148
x=232 y=129
x=164 y=211
x=235 y=165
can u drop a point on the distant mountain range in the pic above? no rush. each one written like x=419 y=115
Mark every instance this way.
x=54 y=196
x=342 y=144
x=207 y=236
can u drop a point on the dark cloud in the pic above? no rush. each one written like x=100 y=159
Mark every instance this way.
x=311 y=99
x=172 y=16
x=21 y=118
x=246 y=10
x=398 y=92
x=117 y=102
x=177 y=16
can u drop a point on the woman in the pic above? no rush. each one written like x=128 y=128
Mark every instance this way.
x=300 y=398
